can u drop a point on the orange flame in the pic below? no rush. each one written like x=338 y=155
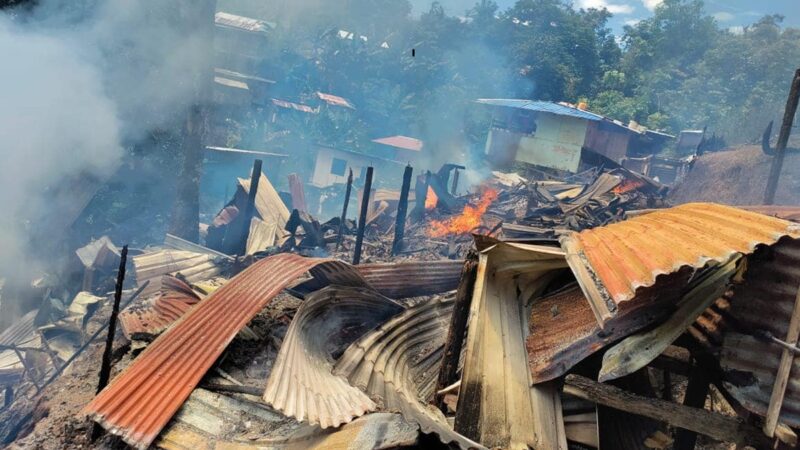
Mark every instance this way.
x=468 y=220
x=431 y=199
x=627 y=186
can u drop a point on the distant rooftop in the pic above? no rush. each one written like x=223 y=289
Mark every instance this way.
x=559 y=109
x=335 y=100
x=404 y=142
x=243 y=23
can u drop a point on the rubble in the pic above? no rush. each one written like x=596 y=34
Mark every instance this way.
x=486 y=327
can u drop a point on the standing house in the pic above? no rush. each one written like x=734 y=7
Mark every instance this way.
x=558 y=135
x=332 y=166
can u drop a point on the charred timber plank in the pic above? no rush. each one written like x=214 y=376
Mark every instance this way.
x=448 y=374
x=784 y=369
x=105 y=368
x=696 y=393
x=344 y=208
x=716 y=426
x=362 y=219
x=402 y=209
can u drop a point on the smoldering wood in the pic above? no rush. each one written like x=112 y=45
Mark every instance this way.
x=448 y=373
x=362 y=219
x=717 y=426
x=402 y=210
x=344 y=209
x=783 y=140
x=105 y=367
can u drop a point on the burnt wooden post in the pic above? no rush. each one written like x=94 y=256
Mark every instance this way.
x=783 y=139
x=344 y=208
x=250 y=207
x=402 y=210
x=696 y=393
x=362 y=218
x=448 y=373
x=454 y=186
x=105 y=368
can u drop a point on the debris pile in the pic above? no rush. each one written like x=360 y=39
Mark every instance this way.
x=545 y=314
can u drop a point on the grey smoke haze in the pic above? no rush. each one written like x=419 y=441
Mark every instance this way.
x=81 y=80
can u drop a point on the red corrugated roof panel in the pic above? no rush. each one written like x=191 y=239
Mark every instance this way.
x=140 y=401
x=404 y=142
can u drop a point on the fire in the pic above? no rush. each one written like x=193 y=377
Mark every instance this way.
x=627 y=186
x=431 y=199
x=468 y=220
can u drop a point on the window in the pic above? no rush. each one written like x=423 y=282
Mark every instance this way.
x=338 y=166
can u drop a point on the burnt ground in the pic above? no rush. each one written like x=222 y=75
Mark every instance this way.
x=738 y=177
x=57 y=422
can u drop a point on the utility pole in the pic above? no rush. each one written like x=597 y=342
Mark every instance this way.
x=783 y=140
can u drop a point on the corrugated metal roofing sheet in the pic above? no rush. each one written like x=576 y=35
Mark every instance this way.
x=404 y=142
x=613 y=263
x=541 y=106
x=141 y=400
x=301 y=383
x=413 y=278
x=146 y=320
x=193 y=266
x=764 y=302
x=397 y=365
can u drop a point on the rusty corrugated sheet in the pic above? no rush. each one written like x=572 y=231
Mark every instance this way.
x=614 y=263
x=413 y=278
x=563 y=331
x=764 y=302
x=301 y=383
x=397 y=365
x=149 y=319
x=140 y=401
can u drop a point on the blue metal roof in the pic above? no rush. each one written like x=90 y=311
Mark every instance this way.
x=540 y=106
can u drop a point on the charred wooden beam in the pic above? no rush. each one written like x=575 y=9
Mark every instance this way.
x=362 y=219
x=344 y=209
x=249 y=208
x=454 y=186
x=717 y=426
x=448 y=373
x=783 y=140
x=696 y=393
x=105 y=368
x=402 y=210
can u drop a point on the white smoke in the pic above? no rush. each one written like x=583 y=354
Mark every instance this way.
x=81 y=80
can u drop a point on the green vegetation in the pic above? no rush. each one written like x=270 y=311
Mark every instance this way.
x=678 y=69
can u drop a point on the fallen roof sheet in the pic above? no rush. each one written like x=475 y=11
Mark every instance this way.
x=192 y=266
x=261 y=236
x=404 y=142
x=495 y=402
x=763 y=303
x=211 y=420
x=21 y=334
x=613 y=263
x=149 y=319
x=413 y=278
x=397 y=366
x=141 y=400
x=269 y=205
x=301 y=383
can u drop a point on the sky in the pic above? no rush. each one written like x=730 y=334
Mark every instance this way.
x=729 y=13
